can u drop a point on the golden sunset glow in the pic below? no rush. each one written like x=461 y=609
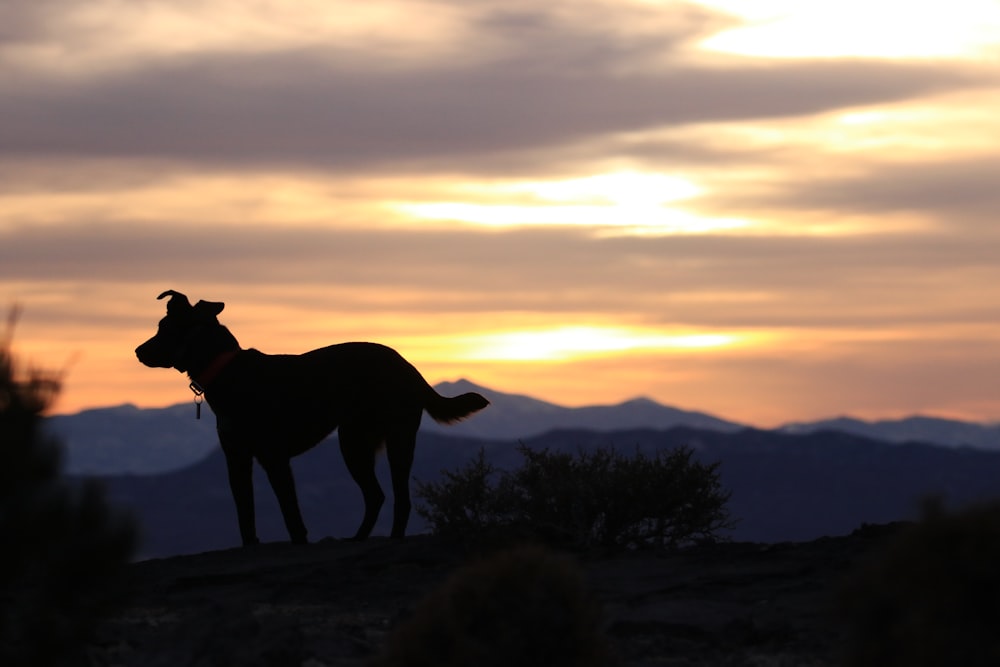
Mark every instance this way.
x=631 y=201
x=770 y=210
x=572 y=342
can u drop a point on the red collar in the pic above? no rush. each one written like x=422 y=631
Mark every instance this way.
x=206 y=377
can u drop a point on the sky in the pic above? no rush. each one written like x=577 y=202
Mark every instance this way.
x=768 y=210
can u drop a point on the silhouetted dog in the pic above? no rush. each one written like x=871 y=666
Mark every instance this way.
x=271 y=407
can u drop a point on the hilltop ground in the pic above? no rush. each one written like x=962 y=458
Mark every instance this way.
x=336 y=602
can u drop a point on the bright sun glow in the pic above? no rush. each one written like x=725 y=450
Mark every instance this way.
x=627 y=199
x=623 y=188
x=865 y=28
x=577 y=341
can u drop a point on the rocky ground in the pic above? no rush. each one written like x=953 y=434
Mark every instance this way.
x=337 y=602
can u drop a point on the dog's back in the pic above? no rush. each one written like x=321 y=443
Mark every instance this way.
x=375 y=375
x=369 y=377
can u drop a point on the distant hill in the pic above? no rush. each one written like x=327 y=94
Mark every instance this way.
x=126 y=439
x=516 y=416
x=785 y=487
x=911 y=429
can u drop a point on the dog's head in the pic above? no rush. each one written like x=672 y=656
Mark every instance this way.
x=182 y=333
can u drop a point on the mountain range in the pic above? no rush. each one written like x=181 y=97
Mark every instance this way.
x=126 y=439
x=784 y=487
x=795 y=483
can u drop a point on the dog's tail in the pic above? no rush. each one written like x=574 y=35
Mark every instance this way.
x=446 y=410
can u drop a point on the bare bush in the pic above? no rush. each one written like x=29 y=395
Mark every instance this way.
x=596 y=498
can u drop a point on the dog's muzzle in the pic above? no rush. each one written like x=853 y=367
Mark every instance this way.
x=152 y=354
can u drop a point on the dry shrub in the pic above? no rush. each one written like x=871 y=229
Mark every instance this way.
x=597 y=498
x=931 y=597
x=526 y=607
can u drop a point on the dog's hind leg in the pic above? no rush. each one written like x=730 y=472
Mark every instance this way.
x=279 y=474
x=399 y=450
x=358 y=449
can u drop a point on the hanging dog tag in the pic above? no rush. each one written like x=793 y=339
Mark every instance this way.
x=198 y=393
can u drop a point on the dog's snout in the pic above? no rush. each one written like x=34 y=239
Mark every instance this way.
x=150 y=354
x=142 y=354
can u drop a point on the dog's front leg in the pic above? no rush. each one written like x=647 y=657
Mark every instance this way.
x=239 y=463
x=279 y=473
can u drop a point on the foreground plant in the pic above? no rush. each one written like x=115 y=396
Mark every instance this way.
x=930 y=596
x=595 y=498
x=527 y=607
x=62 y=545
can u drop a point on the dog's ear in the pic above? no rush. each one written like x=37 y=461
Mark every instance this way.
x=178 y=302
x=212 y=308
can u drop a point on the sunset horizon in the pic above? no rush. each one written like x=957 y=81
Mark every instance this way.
x=185 y=397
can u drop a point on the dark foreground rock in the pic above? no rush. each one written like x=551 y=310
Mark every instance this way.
x=336 y=602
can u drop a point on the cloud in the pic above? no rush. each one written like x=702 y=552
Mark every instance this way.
x=27 y=21
x=296 y=109
x=546 y=82
x=711 y=281
x=397 y=33
x=955 y=191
